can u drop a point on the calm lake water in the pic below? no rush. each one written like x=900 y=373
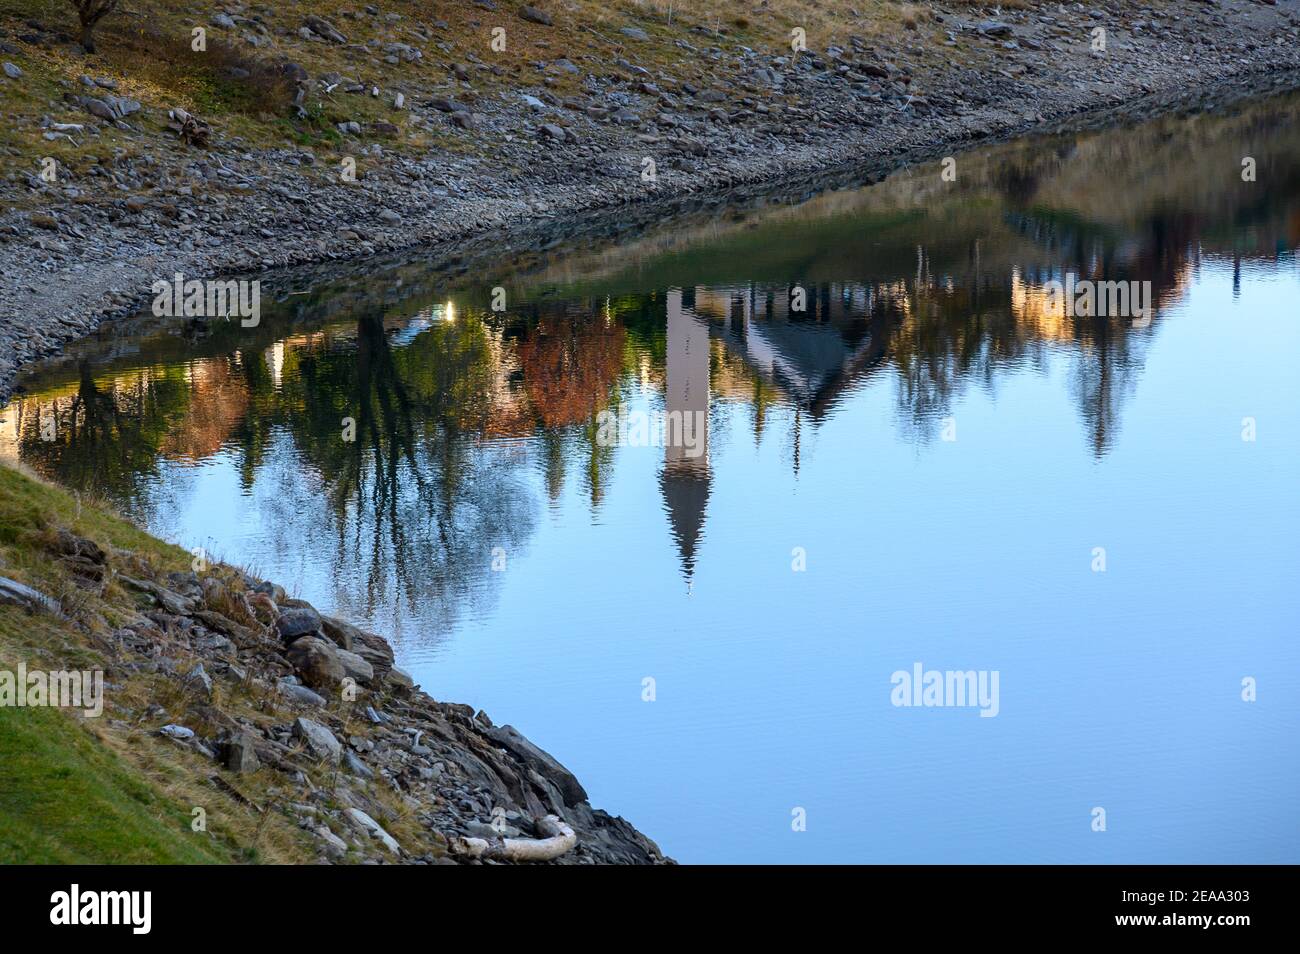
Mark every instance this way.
x=930 y=464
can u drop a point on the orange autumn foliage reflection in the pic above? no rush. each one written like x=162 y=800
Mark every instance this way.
x=219 y=402
x=570 y=366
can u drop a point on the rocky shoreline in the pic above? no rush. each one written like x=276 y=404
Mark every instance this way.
x=73 y=259
x=306 y=715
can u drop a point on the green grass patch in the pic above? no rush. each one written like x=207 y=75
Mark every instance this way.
x=66 y=799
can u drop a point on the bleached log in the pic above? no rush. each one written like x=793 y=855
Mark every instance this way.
x=559 y=840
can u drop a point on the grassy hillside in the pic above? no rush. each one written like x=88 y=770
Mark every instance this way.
x=65 y=798
x=104 y=790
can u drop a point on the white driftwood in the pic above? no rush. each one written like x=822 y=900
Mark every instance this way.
x=560 y=838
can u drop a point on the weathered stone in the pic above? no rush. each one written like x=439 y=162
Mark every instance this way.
x=199 y=680
x=296 y=622
x=540 y=761
x=355 y=666
x=19 y=594
x=335 y=846
x=372 y=827
x=301 y=694
x=399 y=678
x=341 y=631
x=374 y=650
x=323 y=28
x=318 y=739
x=224 y=624
x=533 y=15
x=317 y=662
x=354 y=766
x=240 y=753
x=172 y=602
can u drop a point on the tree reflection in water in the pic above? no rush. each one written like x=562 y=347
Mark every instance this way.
x=466 y=420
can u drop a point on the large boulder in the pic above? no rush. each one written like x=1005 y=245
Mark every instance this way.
x=373 y=828
x=340 y=630
x=374 y=650
x=543 y=763
x=317 y=661
x=297 y=621
x=355 y=667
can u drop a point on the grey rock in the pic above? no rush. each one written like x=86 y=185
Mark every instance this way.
x=171 y=601
x=399 y=677
x=19 y=594
x=324 y=29
x=301 y=694
x=335 y=846
x=373 y=828
x=354 y=766
x=295 y=622
x=340 y=631
x=11 y=70
x=543 y=763
x=198 y=678
x=320 y=741
x=533 y=15
x=97 y=107
x=374 y=650
x=317 y=661
x=240 y=754
x=355 y=666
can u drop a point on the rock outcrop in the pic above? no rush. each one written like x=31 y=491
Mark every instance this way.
x=272 y=686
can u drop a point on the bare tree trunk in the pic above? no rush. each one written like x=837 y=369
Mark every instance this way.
x=90 y=12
